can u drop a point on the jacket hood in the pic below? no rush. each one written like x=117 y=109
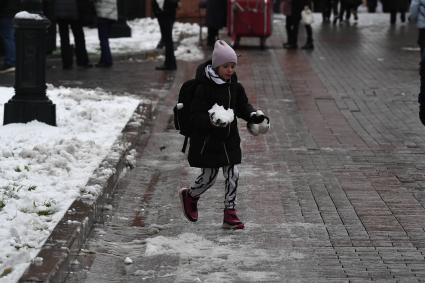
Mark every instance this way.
x=201 y=75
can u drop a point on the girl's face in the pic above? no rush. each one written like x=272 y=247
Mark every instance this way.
x=226 y=70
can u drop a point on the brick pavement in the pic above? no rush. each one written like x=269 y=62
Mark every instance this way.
x=333 y=193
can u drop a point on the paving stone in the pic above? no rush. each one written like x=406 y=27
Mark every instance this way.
x=337 y=185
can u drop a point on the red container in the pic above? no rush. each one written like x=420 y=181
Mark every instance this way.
x=249 y=18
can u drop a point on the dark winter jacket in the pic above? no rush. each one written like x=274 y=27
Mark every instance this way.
x=86 y=12
x=216 y=14
x=395 y=5
x=66 y=10
x=8 y=8
x=294 y=7
x=210 y=146
x=169 y=8
x=81 y=10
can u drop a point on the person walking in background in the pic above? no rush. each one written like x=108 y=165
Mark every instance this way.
x=292 y=10
x=354 y=8
x=216 y=19
x=417 y=14
x=308 y=19
x=107 y=14
x=67 y=15
x=8 y=9
x=396 y=6
x=215 y=140
x=49 y=12
x=345 y=10
x=328 y=9
x=335 y=8
x=165 y=11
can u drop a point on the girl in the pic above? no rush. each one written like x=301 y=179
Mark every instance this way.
x=215 y=142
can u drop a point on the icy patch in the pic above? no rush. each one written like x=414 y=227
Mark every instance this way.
x=220 y=261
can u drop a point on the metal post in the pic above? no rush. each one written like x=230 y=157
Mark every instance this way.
x=30 y=101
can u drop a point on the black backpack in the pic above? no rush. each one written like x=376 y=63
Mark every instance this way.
x=182 y=109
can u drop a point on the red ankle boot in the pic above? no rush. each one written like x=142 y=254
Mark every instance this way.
x=189 y=205
x=231 y=220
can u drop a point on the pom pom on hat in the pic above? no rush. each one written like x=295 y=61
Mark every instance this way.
x=223 y=53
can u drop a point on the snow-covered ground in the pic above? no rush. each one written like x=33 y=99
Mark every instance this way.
x=43 y=169
x=145 y=36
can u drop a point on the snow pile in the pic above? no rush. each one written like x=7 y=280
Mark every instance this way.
x=44 y=168
x=28 y=16
x=145 y=36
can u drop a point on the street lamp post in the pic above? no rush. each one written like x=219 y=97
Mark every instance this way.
x=30 y=101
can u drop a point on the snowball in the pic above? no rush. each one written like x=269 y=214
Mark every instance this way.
x=256 y=129
x=128 y=260
x=226 y=116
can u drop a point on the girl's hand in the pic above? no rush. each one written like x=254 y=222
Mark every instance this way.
x=217 y=122
x=257 y=117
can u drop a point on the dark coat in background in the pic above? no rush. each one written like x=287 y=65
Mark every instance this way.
x=8 y=8
x=294 y=7
x=170 y=6
x=395 y=5
x=86 y=12
x=81 y=10
x=66 y=10
x=298 y=5
x=216 y=14
x=210 y=146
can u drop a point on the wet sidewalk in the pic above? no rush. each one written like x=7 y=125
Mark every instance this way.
x=333 y=193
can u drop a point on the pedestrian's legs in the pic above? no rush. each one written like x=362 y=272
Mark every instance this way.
x=355 y=12
x=204 y=181
x=309 y=31
x=341 y=12
x=403 y=17
x=7 y=32
x=326 y=10
x=80 y=44
x=231 y=176
x=160 y=43
x=166 y=20
x=421 y=41
x=335 y=10
x=67 y=53
x=288 y=26
x=393 y=17
x=296 y=24
x=309 y=42
x=292 y=24
x=104 y=30
x=170 y=58
x=212 y=36
x=347 y=12
x=421 y=96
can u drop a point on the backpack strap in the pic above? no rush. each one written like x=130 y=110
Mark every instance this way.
x=186 y=138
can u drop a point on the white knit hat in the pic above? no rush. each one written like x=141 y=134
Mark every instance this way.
x=223 y=53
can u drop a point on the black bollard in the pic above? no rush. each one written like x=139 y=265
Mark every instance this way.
x=30 y=101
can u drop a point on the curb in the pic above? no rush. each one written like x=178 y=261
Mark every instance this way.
x=67 y=238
